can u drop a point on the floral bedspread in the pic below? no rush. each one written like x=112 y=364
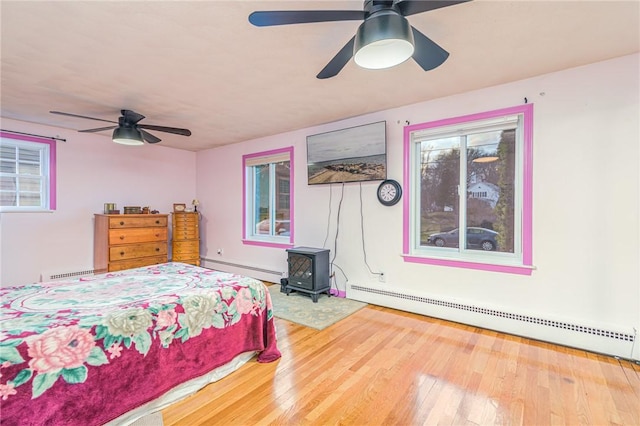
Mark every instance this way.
x=85 y=351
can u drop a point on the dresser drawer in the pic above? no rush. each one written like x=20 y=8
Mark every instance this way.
x=132 y=251
x=190 y=248
x=136 y=263
x=188 y=219
x=186 y=226
x=137 y=235
x=137 y=221
x=186 y=234
x=190 y=260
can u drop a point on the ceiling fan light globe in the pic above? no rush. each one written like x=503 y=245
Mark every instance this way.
x=383 y=41
x=127 y=136
x=384 y=54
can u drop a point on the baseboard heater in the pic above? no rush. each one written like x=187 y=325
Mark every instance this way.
x=61 y=275
x=246 y=267
x=615 y=342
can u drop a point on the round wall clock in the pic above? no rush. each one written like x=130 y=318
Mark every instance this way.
x=389 y=192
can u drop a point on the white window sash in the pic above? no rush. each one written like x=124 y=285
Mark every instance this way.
x=252 y=222
x=44 y=175
x=461 y=131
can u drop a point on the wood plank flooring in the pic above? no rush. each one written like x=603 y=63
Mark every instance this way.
x=386 y=367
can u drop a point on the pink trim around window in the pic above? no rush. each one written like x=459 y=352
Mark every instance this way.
x=291 y=203
x=52 y=161
x=527 y=202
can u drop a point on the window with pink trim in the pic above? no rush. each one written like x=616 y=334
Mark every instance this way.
x=27 y=173
x=268 y=198
x=470 y=173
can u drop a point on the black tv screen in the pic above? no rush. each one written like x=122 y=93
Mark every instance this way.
x=355 y=154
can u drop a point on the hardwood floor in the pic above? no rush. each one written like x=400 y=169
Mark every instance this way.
x=386 y=367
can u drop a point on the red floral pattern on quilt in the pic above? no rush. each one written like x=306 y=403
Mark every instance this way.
x=85 y=351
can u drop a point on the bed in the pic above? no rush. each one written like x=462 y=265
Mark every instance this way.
x=94 y=350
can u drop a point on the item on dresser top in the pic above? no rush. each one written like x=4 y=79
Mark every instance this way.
x=133 y=210
x=109 y=207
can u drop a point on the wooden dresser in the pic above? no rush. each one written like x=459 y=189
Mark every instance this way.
x=186 y=237
x=124 y=241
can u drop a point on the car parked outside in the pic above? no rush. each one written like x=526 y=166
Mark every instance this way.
x=477 y=238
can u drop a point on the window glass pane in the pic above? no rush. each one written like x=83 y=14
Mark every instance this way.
x=7 y=167
x=29 y=155
x=439 y=201
x=29 y=184
x=490 y=186
x=29 y=169
x=8 y=199
x=282 y=198
x=262 y=218
x=7 y=183
x=484 y=189
x=29 y=199
x=7 y=152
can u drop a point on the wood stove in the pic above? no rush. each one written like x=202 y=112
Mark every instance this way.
x=308 y=272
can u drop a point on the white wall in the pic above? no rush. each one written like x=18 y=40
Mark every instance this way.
x=92 y=170
x=586 y=205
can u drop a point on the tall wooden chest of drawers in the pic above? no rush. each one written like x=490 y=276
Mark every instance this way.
x=186 y=237
x=124 y=241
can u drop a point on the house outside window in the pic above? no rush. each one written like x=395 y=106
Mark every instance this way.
x=27 y=173
x=471 y=173
x=268 y=201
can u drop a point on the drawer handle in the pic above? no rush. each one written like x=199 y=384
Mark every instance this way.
x=157 y=222
x=121 y=253
x=122 y=237
x=157 y=248
x=157 y=235
x=121 y=223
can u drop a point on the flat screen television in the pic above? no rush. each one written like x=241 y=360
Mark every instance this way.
x=355 y=154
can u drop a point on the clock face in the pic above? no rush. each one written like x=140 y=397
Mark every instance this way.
x=389 y=192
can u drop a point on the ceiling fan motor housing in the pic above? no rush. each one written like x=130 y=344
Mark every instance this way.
x=384 y=39
x=372 y=6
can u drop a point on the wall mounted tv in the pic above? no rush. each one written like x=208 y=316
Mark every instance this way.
x=355 y=154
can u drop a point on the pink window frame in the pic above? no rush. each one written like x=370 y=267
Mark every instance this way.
x=246 y=157
x=527 y=191
x=52 y=161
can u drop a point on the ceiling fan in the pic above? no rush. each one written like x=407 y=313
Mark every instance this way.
x=128 y=131
x=384 y=39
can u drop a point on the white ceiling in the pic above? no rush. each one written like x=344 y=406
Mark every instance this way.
x=202 y=66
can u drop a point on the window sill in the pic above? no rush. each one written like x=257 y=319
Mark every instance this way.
x=5 y=210
x=465 y=264
x=264 y=243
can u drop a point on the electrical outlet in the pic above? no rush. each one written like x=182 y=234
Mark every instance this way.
x=382 y=277
x=220 y=251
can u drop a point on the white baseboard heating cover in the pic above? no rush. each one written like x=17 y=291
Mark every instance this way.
x=253 y=271
x=610 y=340
x=67 y=274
